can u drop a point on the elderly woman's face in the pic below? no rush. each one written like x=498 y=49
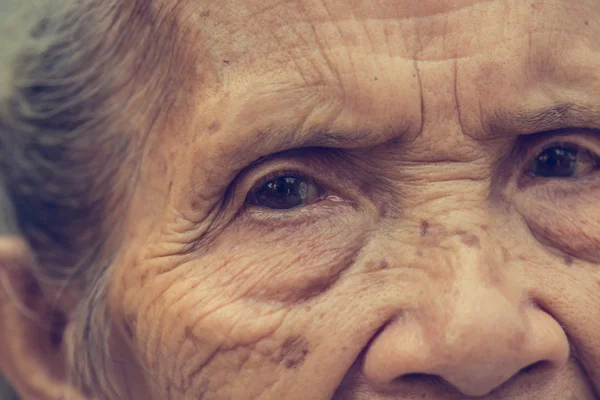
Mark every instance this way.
x=373 y=199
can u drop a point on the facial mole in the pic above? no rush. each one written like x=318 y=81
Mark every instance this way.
x=383 y=264
x=568 y=260
x=471 y=240
x=424 y=227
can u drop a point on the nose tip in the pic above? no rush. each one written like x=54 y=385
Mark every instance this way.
x=483 y=344
x=486 y=359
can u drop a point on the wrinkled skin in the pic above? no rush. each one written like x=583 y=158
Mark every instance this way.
x=435 y=267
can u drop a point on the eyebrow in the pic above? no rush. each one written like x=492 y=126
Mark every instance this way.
x=564 y=115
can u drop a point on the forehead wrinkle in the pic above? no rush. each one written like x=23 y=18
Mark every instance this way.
x=273 y=130
x=262 y=41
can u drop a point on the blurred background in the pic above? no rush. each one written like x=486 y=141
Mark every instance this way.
x=7 y=9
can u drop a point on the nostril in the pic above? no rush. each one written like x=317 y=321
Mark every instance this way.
x=421 y=378
x=537 y=366
x=427 y=380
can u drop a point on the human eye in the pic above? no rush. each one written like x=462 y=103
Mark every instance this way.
x=285 y=190
x=562 y=160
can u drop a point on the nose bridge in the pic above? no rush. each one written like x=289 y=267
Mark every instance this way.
x=482 y=304
x=482 y=294
x=470 y=252
x=480 y=301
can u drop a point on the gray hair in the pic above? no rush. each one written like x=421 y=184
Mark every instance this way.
x=91 y=79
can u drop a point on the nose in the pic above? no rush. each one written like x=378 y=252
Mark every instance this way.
x=476 y=335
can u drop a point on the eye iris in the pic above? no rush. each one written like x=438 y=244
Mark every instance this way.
x=283 y=193
x=556 y=162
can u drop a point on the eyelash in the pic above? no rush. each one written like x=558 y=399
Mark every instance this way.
x=278 y=174
x=569 y=142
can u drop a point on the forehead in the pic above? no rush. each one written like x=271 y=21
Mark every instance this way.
x=428 y=30
x=379 y=65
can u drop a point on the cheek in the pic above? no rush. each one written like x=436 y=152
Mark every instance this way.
x=229 y=323
x=569 y=288
x=571 y=294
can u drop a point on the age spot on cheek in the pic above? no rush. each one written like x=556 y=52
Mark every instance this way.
x=292 y=353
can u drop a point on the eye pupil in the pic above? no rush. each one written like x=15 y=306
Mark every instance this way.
x=556 y=162
x=285 y=192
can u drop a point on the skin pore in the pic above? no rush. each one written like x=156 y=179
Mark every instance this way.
x=431 y=262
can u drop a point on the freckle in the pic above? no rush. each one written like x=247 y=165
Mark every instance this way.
x=205 y=14
x=568 y=260
x=214 y=127
x=226 y=62
x=424 y=227
x=586 y=22
x=471 y=240
x=505 y=254
x=383 y=264
x=189 y=334
x=518 y=340
x=128 y=330
x=375 y=78
x=195 y=204
x=203 y=388
x=419 y=253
